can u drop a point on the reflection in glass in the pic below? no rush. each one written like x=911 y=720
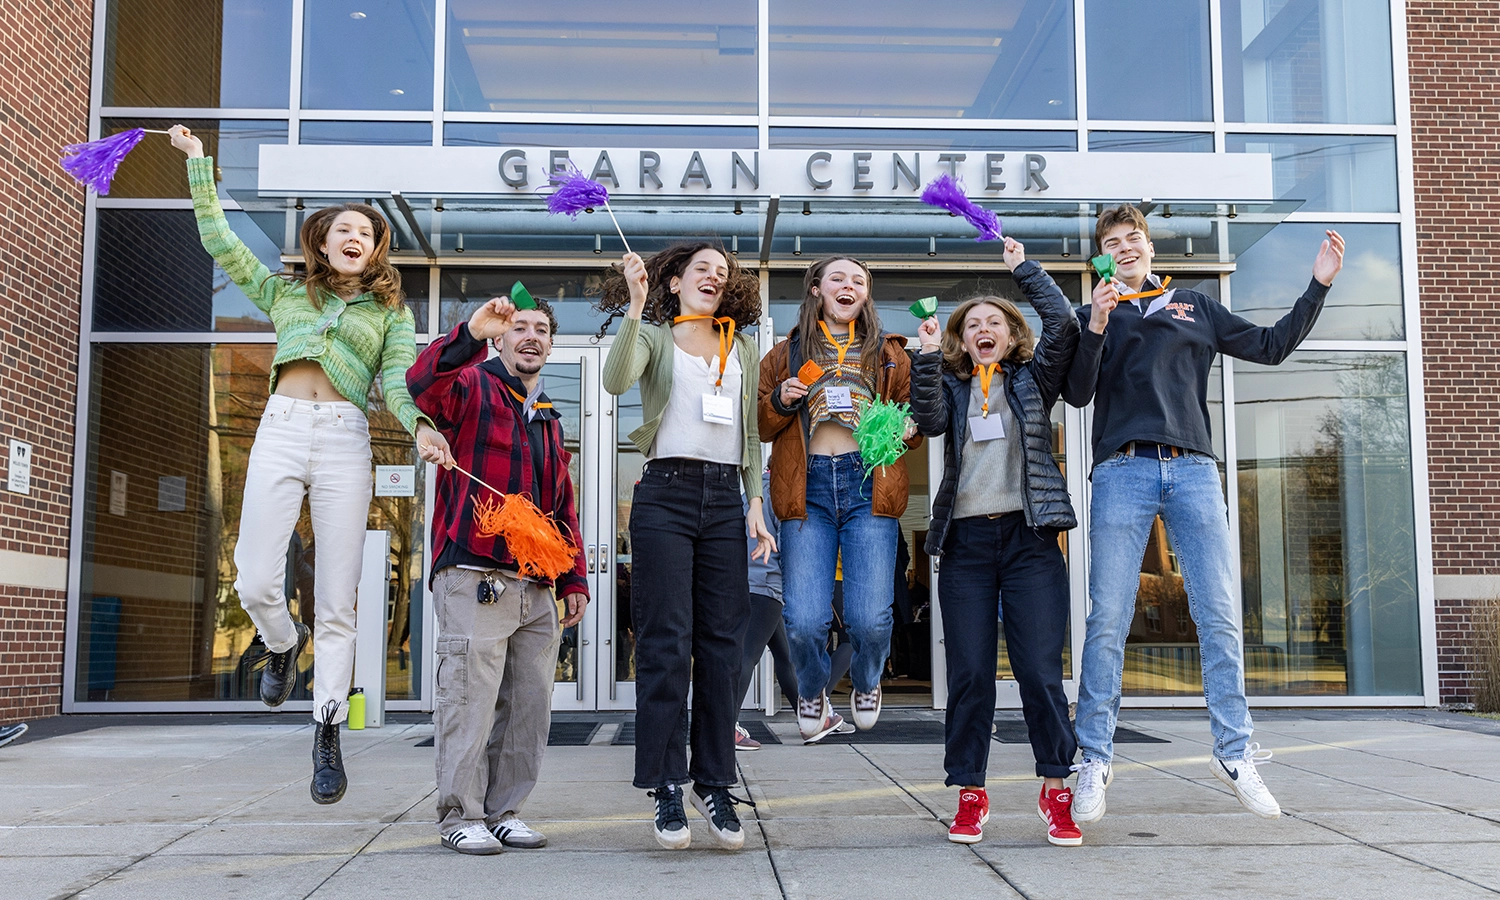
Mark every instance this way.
x=921 y=139
x=698 y=137
x=159 y=617
x=1365 y=302
x=666 y=56
x=563 y=382
x=155 y=168
x=975 y=59
x=1330 y=173
x=1304 y=61
x=375 y=134
x=894 y=291
x=629 y=463
x=152 y=274
x=1170 y=82
x=571 y=292
x=186 y=53
x=417 y=285
x=376 y=54
x=1150 y=142
x=1327 y=536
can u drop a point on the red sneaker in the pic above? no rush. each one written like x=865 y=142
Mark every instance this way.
x=973 y=812
x=1056 y=809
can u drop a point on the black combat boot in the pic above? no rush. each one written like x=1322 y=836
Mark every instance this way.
x=328 y=781
x=280 y=674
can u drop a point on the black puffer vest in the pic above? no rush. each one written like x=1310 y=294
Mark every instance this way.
x=940 y=406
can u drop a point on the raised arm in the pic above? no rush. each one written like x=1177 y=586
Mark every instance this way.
x=1271 y=345
x=1083 y=374
x=929 y=405
x=1053 y=356
x=243 y=267
x=631 y=352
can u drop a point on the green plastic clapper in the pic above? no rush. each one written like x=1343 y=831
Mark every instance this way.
x=925 y=308
x=1104 y=264
x=520 y=297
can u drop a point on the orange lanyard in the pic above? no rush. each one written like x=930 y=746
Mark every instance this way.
x=985 y=373
x=1141 y=295
x=841 y=348
x=725 y=327
x=521 y=399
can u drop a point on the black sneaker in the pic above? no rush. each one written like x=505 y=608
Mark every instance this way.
x=671 y=821
x=280 y=674
x=717 y=806
x=328 y=781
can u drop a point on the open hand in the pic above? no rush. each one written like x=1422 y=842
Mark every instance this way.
x=1330 y=258
x=1015 y=253
x=930 y=335
x=492 y=319
x=184 y=140
x=765 y=542
x=574 y=603
x=1106 y=295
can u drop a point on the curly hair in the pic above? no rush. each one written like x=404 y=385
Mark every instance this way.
x=740 y=300
x=379 y=276
x=956 y=358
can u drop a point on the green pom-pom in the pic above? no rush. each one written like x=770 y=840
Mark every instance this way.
x=925 y=308
x=520 y=297
x=1104 y=264
x=881 y=433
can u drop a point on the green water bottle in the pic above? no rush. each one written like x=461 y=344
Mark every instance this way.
x=357 y=709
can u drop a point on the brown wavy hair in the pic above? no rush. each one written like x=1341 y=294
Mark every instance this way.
x=740 y=300
x=811 y=312
x=957 y=360
x=379 y=276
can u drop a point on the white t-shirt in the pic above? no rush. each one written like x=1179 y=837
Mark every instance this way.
x=683 y=432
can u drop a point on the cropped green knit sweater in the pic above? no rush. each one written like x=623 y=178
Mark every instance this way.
x=350 y=340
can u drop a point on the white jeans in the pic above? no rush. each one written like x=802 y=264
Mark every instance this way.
x=321 y=450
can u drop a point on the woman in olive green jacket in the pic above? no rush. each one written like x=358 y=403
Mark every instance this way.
x=690 y=594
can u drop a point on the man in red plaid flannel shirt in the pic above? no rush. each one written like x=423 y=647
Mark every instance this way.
x=497 y=632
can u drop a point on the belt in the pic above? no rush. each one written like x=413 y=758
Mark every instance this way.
x=685 y=465
x=1151 y=450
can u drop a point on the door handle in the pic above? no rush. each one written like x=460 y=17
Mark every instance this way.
x=593 y=550
x=604 y=558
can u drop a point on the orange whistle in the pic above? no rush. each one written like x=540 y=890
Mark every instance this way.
x=809 y=373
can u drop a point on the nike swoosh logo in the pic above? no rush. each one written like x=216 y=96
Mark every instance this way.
x=1234 y=774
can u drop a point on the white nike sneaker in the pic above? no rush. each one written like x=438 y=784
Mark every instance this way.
x=1242 y=777
x=1094 y=775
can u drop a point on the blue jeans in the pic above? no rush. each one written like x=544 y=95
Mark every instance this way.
x=838 y=517
x=1129 y=492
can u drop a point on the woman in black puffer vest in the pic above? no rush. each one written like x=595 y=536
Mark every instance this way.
x=995 y=522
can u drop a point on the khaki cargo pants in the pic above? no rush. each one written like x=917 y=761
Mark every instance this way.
x=496 y=664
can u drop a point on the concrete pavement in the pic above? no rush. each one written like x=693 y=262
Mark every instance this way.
x=1377 y=804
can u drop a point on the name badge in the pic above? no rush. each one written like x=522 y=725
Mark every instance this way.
x=839 y=399
x=718 y=409
x=986 y=429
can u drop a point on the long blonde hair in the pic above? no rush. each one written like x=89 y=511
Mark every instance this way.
x=956 y=358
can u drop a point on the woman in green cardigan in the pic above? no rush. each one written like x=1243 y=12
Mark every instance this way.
x=337 y=328
x=690 y=588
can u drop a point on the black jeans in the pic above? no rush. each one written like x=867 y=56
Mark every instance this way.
x=767 y=631
x=690 y=601
x=982 y=558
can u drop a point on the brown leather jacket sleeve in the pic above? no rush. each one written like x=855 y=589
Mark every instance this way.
x=898 y=378
x=773 y=371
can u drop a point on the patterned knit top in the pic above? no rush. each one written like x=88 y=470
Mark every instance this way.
x=849 y=375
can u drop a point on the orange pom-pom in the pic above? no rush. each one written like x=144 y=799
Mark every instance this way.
x=487 y=515
x=534 y=541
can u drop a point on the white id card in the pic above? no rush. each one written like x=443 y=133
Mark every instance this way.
x=839 y=399
x=986 y=429
x=718 y=409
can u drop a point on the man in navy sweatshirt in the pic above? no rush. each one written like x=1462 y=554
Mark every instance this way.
x=1144 y=360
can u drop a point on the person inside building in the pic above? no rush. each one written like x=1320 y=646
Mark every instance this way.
x=338 y=326
x=767 y=630
x=690 y=584
x=985 y=384
x=826 y=500
x=1143 y=360
x=498 y=627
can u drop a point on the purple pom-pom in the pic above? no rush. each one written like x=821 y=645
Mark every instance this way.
x=95 y=163
x=946 y=193
x=573 y=192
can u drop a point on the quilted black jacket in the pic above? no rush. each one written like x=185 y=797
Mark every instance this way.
x=940 y=405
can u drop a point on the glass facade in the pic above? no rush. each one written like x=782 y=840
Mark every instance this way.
x=1316 y=455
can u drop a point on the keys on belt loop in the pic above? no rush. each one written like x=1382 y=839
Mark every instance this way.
x=488 y=593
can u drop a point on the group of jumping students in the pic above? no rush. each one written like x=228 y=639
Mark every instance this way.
x=1140 y=352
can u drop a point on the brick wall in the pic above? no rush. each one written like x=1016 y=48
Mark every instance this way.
x=44 y=93
x=1455 y=111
